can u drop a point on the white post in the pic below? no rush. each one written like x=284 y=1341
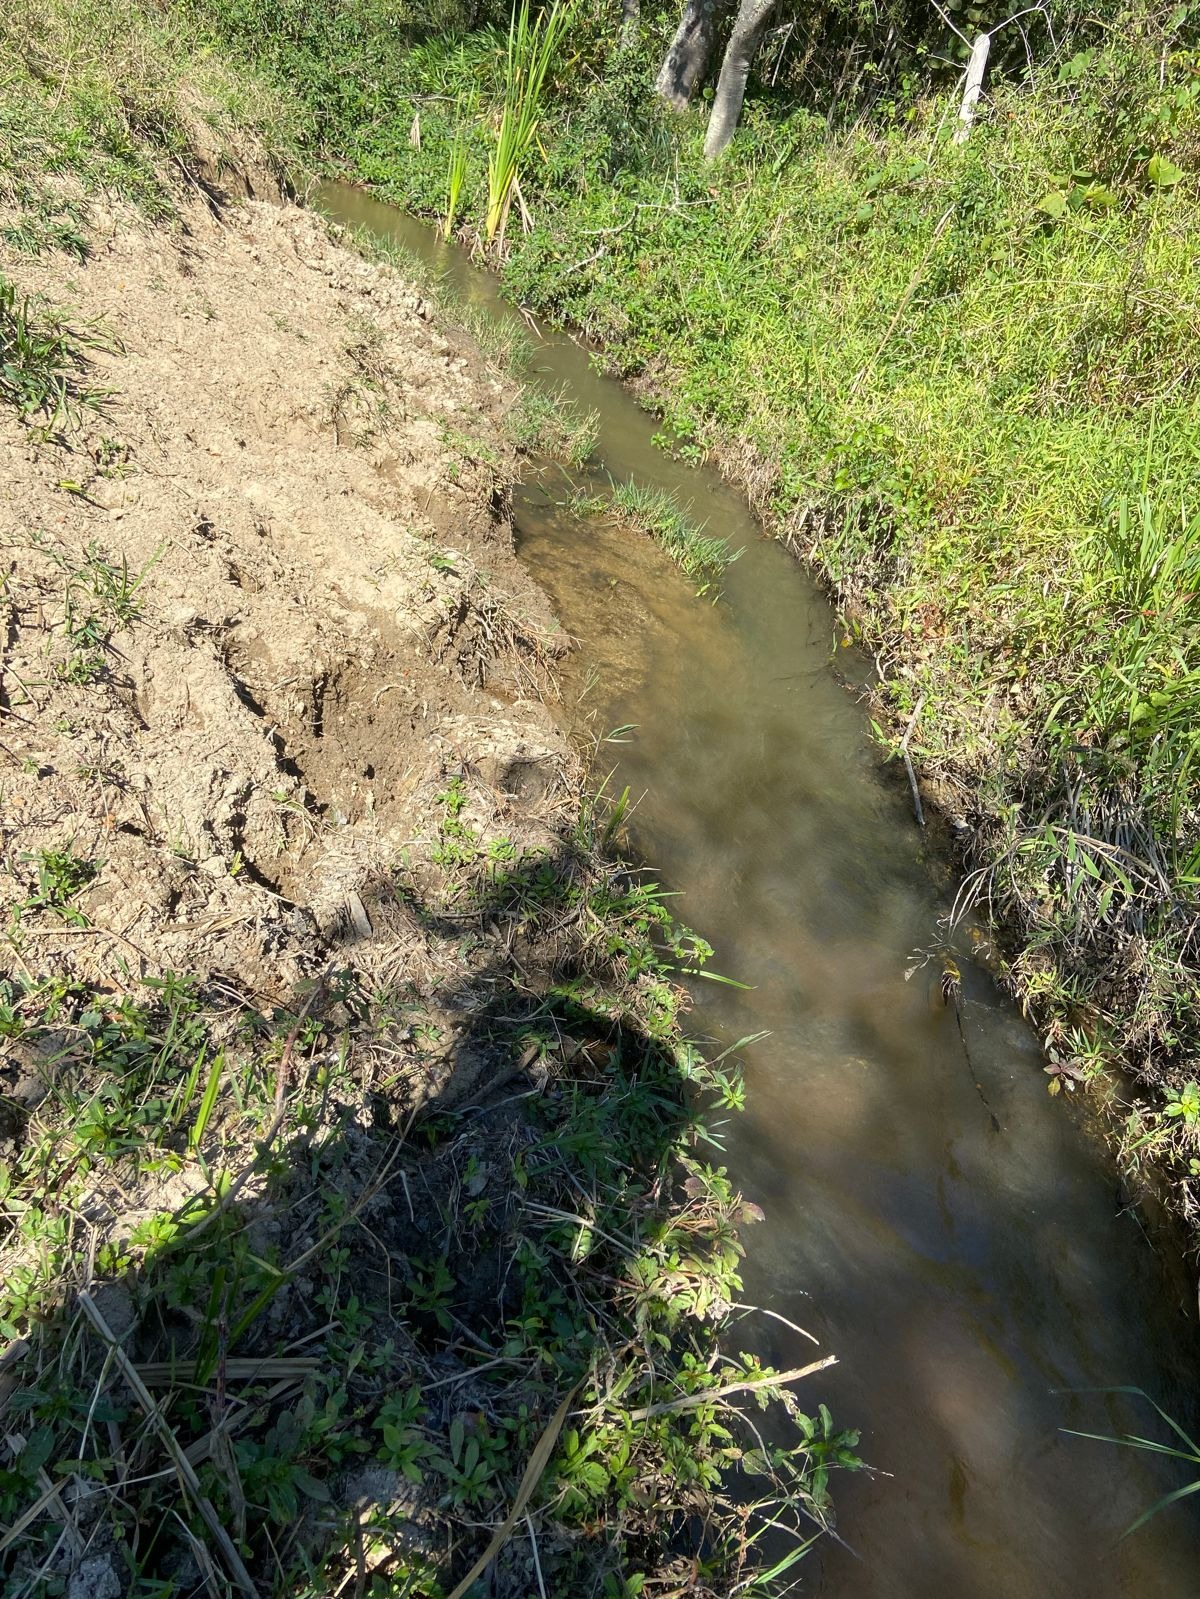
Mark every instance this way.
x=975 y=70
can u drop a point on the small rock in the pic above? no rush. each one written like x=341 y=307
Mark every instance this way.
x=115 y=1304
x=95 y=1579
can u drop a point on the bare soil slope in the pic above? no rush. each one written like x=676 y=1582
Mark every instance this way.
x=269 y=706
x=254 y=621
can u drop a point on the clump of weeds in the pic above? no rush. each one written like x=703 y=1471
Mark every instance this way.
x=546 y=422
x=100 y=597
x=43 y=362
x=384 y=1326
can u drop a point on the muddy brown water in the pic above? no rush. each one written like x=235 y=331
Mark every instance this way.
x=972 y=1283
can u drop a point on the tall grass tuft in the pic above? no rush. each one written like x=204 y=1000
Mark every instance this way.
x=456 y=177
x=1145 y=570
x=698 y=554
x=548 y=422
x=42 y=360
x=532 y=46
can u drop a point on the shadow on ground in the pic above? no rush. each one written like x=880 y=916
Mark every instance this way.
x=435 y=1244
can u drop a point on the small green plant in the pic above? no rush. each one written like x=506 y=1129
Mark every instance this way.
x=100 y=598
x=43 y=361
x=273 y=1473
x=533 y=43
x=453 y=797
x=432 y=1290
x=470 y=1464
x=1185 y=1105
x=62 y=876
x=405 y=1446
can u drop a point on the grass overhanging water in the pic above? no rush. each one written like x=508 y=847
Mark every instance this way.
x=701 y=556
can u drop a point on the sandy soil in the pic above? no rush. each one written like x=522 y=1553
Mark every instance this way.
x=305 y=477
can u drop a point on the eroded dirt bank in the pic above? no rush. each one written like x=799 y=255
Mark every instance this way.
x=344 y=1137
x=294 y=498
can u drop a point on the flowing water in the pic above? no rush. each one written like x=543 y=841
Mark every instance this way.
x=971 y=1281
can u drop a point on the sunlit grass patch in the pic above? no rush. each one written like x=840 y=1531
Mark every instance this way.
x=700 y=555
x=122 y=100
x=44 y=361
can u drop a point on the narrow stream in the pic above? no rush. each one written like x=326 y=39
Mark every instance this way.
x=971 y=1281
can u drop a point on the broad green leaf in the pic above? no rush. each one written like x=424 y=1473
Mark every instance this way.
x=1163 y=174
x=1053 y=204
x=310 y=1486
x=1098 y=198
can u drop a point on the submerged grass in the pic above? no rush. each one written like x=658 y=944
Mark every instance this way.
x=700 y=555
x=548 y=422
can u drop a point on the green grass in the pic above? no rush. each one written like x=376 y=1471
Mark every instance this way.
x=548 y=423
x=456 y=176
x=534 y=41
x=321 y=1283
x=960 y=380
x=120 y=101
x=44 y=361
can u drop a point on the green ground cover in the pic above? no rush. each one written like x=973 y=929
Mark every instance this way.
x=123 y=101
x=960 y=380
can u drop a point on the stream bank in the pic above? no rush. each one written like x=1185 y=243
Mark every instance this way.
x=356 y=1218
x=930 y=1213
x=961 y=387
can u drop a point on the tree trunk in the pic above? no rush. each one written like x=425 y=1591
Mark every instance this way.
x=687 y=60
x=631 y=14
x=735 y=69
x=976 y=68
